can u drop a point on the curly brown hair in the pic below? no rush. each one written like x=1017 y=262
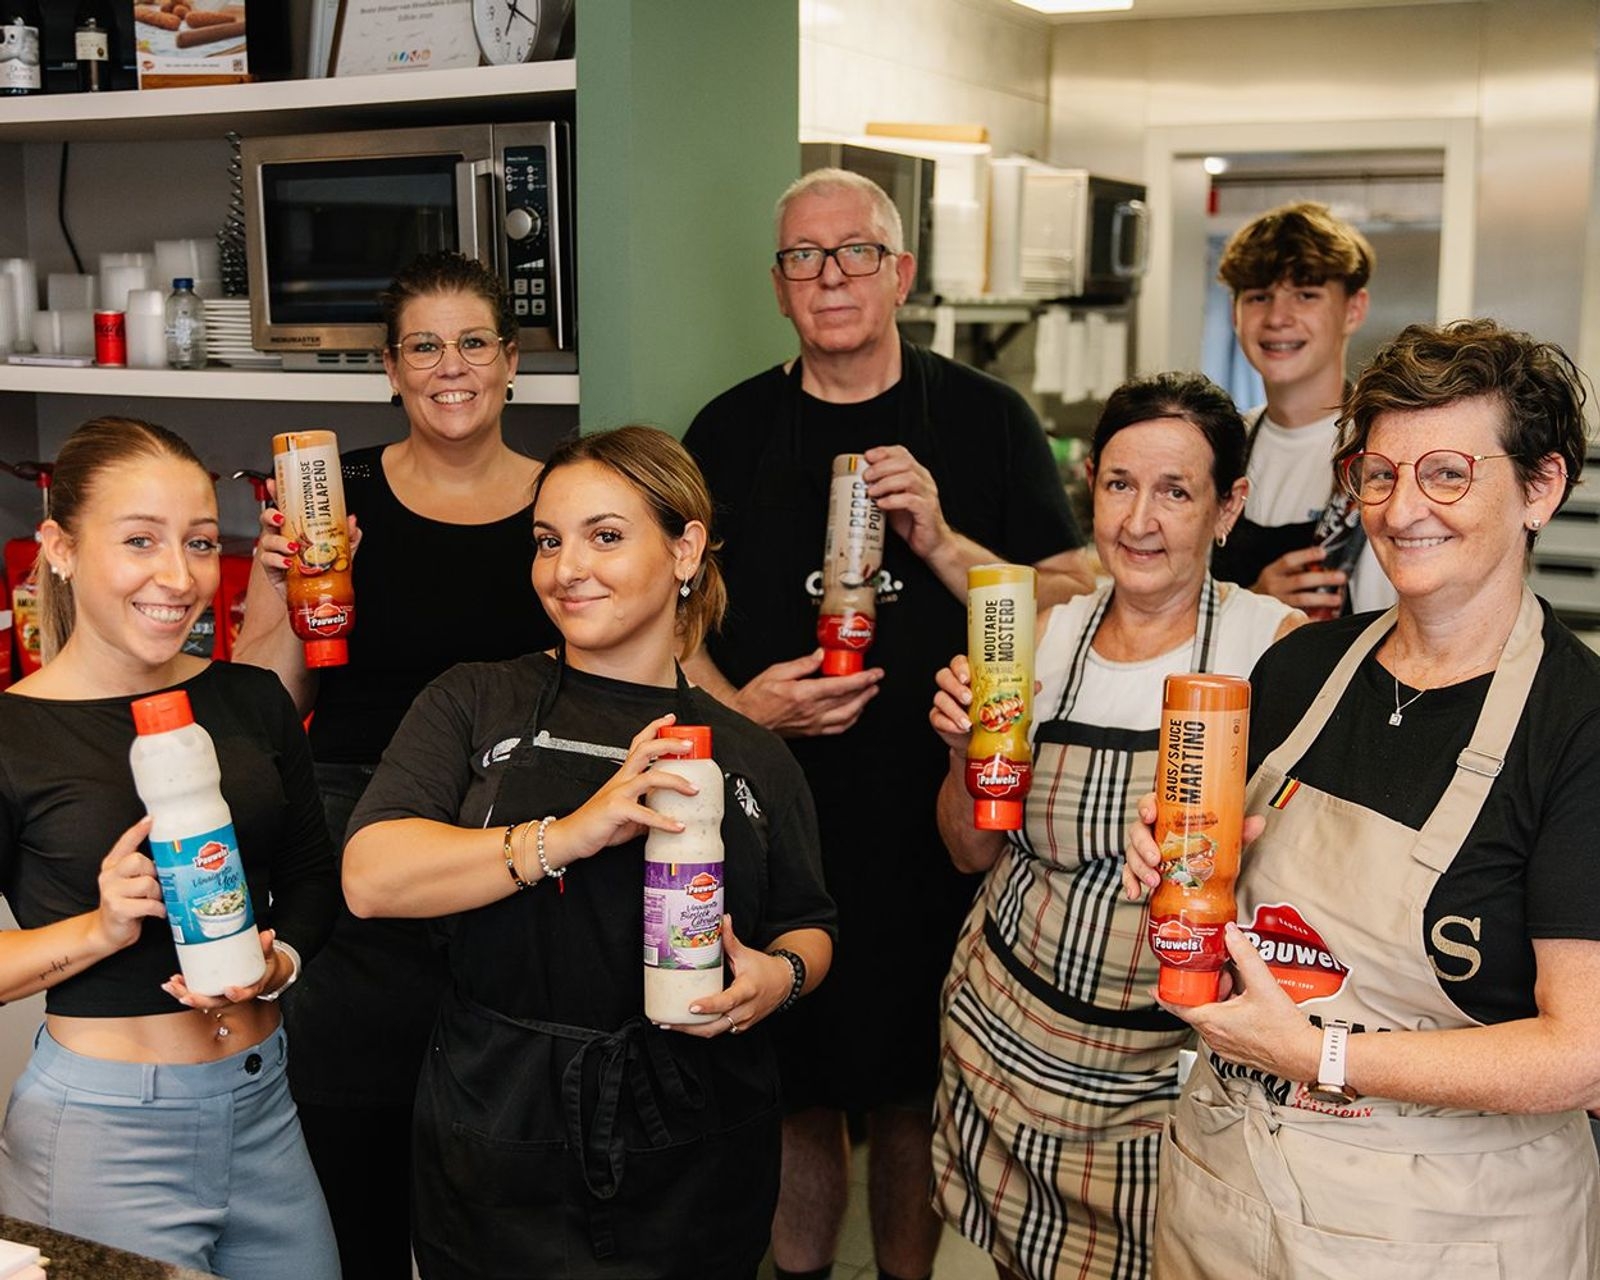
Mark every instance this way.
x=1541 y=389
x=1302 y=243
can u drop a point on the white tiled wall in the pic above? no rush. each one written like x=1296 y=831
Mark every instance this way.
x=925 y=61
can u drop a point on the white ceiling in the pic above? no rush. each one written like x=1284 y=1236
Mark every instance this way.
x=1213 y=8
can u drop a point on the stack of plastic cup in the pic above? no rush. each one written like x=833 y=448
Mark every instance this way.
x=17 y=275
x=147 y=329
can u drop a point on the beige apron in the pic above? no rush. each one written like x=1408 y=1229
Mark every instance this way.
x=1259 y=1180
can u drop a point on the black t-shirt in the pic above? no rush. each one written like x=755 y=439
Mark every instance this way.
x=766 y=449
x=428 y=595
x=1526 y=870
x=445 y=762
x=67 y=794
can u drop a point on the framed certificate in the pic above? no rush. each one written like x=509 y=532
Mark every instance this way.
x=374 y=37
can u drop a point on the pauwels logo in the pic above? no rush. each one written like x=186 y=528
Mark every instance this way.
x=212 y=856
x=1295 y=952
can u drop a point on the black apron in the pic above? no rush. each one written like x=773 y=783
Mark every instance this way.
x=1251 y=547
x=620 y=1150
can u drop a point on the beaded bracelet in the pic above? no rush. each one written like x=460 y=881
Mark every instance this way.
x=550 y=873
x=511 y=865
x=799 y=967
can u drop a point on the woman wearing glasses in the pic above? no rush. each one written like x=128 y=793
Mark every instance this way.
x=442 y=577
x=1396 y=1084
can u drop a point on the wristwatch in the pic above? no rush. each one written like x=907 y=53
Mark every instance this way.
x=1330 y=1086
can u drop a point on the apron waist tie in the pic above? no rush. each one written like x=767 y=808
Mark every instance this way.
x=595 y=1136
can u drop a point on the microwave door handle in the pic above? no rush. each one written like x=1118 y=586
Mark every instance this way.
x=472 y=177
x=1138 y=212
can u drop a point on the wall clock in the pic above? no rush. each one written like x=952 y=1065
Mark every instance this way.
x=513 y=31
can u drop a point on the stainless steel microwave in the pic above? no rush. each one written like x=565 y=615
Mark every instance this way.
x=1065 y=233
x=330 y=218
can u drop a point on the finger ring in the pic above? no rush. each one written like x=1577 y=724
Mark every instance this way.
x=733 y=1026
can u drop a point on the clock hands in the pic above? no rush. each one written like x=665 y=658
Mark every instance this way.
x=515 y=12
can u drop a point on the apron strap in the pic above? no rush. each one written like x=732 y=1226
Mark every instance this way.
x=1288 y=752
x=1477 y=766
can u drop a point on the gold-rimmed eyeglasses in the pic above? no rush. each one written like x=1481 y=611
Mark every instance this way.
x=1443 y=475
x=424 y=350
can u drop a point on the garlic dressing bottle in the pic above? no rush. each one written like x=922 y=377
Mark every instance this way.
x=683 y=887
x=194 y=847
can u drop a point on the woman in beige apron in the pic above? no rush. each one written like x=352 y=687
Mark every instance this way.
x=1057 y=1071
x=1308 y=1143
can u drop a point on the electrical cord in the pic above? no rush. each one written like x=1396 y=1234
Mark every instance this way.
x=61 y=209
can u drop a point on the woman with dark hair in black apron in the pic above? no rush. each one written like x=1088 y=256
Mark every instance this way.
x=558 y=1133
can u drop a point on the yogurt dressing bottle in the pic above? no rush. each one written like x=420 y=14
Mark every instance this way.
x=194 y=848
x=683 y=887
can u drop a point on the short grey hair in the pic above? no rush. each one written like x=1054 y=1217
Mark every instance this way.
x=827 y=182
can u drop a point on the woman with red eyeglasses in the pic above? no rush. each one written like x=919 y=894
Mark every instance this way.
x=1395 y=1085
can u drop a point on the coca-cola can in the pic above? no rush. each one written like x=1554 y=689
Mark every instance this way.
x=110 y=338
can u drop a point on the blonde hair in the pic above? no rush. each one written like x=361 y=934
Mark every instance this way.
x=96 y=447
x=827 y=182
x=662 y=472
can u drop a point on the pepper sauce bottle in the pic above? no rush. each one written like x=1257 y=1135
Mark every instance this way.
x=322 y=602
x=851 y=557
x=1000 y=617
x=1200 y=784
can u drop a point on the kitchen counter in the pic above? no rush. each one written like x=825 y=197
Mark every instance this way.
x=73 y=1258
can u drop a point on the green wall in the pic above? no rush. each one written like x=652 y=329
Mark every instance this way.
x=688 y=119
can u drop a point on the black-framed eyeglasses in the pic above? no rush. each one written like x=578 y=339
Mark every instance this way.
x=1443 y=475
x=424 y=350
x=853 y=259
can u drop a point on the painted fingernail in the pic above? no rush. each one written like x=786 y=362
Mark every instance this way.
x=294 y=546
x=277 y=518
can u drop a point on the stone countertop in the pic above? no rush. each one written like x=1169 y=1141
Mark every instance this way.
x=73 y=1258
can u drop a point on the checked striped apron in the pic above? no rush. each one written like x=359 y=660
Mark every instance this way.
x=1057 y=1070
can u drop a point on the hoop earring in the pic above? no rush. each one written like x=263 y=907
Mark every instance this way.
x=1222 y=539
x=511 y=392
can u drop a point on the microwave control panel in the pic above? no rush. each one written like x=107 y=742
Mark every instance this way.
x=531 y=274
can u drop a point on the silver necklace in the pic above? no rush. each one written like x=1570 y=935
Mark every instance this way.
x=1399 y=706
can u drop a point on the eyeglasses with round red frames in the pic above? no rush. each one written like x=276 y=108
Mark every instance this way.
x=1443 y=475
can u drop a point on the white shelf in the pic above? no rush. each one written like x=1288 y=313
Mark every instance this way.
x=287 y=106
x=249 y=384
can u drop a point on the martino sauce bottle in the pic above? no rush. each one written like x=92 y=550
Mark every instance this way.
x=322 y=602
x=1200 y=782
x=1000 y=617
x=193 y=846
x=851 y=558
x=683 y=887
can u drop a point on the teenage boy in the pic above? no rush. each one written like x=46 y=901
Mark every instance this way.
x=1299 y=279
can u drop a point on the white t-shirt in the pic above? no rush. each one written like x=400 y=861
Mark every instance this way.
x=1127 y=695
x=1291 y=475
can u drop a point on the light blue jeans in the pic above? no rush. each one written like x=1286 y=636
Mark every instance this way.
x=201 y=1165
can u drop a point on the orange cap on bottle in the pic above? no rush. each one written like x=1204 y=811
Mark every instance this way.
x=162 y=712
x=997 y=815
x=698 y=736
x=1188 y=986
x=327 y=653
x=841 y=662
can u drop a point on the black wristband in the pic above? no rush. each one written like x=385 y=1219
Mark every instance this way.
x=799 y=967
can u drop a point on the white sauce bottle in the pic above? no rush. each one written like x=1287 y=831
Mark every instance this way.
x=683 y=888
x=194 y=848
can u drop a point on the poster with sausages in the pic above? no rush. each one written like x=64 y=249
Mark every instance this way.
x=179 y=41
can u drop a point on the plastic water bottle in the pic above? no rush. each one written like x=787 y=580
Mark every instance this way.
x=194 y=848
x=683 y=887
x=186 y=326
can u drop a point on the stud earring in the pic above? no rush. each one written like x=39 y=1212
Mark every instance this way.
x=395 y=399
x=1533 y=526
x=511 y=392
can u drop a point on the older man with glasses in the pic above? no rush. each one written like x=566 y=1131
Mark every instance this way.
x=961 y=469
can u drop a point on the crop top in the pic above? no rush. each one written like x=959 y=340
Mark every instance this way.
x=67 y=794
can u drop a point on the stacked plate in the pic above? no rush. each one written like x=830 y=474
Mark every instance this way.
x=228 y=335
